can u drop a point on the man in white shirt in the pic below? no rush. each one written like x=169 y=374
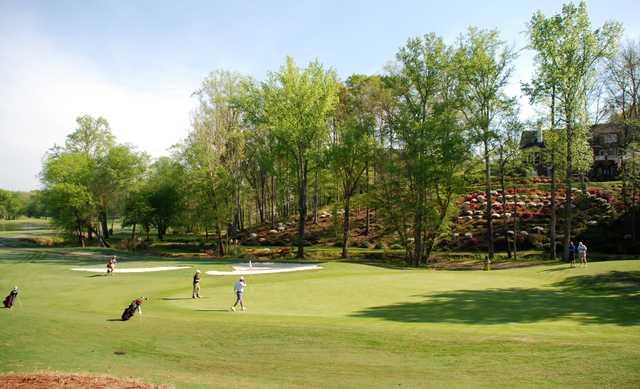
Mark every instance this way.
x=582 y=253
x=239 y=289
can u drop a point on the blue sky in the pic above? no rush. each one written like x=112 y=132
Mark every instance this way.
x=137 y=62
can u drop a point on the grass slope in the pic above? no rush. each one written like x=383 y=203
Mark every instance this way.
x=348 y=325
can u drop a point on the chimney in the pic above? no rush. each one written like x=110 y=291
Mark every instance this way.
x=539 y=135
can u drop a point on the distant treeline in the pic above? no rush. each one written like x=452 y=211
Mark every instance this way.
x=15 y=204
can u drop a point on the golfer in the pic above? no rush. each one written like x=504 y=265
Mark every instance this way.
x=111 y=265
x=239 y=289
x=572 y=254
x=582 y=253
x=196 y=285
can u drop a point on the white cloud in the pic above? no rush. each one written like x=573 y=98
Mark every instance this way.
x=44 y=89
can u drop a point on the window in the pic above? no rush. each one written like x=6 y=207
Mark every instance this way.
x=610 y=138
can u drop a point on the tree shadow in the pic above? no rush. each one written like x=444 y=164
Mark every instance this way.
x=559 y=268
x=610 y=298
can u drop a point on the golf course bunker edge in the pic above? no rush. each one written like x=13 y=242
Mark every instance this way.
x=131 y=270
x=264 y=268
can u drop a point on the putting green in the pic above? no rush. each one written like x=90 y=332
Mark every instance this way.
x=349 y=325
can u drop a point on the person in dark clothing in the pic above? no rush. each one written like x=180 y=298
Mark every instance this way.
x=572 y=254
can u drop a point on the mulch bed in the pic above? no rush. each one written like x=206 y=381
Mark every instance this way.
x=55 y=380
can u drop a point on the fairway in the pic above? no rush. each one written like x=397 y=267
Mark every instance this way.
x=348 y=325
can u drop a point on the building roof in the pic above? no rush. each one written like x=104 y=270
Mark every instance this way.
x=529 y=138
x=606 y=127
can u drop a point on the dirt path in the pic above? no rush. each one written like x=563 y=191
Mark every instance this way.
x=53 y=380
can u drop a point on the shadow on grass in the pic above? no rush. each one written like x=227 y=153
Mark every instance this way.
x=558 y=268
x=114 y=320
x=610 y=298
x=212 y=310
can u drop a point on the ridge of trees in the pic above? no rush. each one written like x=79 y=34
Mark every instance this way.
x=407 y=140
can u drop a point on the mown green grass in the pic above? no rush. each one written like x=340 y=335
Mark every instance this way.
x=348 y=325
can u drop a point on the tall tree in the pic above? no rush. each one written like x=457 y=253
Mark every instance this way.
x=431 y=138
x=354 y=145
x=568 y=52
x=297 y=105
x=488 y=64
x=214 y=151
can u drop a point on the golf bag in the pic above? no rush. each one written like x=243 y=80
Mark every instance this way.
x=10 y=299
x=129 y=311
x=132 y=308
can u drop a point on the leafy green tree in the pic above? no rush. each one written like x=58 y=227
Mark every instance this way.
x=137 y=210
x=353 y=144
x=67 y=195
x=93 y=136
x=568 y=53
x=214 y=151
x=487 y=65
x=10 y=205
x=34 y=206
x=430 y=133
x=297 y=106
x=115 y=172
x=164 y=194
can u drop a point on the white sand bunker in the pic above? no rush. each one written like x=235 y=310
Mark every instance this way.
x=130 y=270
x=264 y=268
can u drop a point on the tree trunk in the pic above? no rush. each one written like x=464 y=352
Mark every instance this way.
x=262 y=199
x=367 y=217
x=568 y=189
x=302 y=205
x=103 y=224
x=504 y=205
x=515 y=226
x=554 y=189
x=488 y=211
x=418 y=249
x=220 y=248
x=273 y=201
x=552 y=226
x=80 y=236
x=634 y=214
x=315 y=197
x=346 y=225
x=133 y=232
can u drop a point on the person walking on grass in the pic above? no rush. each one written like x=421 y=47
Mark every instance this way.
x=239 y=287
x=196 y=285
x=572 y=254
x=582 y=252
